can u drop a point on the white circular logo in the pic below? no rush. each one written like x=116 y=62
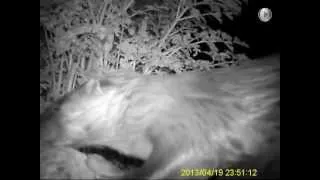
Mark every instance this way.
x=265 y=14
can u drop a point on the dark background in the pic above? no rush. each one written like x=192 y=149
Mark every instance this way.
x=263 y=37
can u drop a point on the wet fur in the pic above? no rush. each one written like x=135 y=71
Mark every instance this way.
x=226 y=118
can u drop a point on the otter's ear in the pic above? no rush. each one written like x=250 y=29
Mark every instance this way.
x=91 y=87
